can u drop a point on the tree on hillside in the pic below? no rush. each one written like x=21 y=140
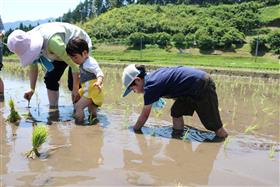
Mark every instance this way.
x=100 y=6
x=274 y=41
x=82 y=12
x=205 y=2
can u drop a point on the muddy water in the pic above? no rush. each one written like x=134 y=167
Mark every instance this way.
x=109 y=153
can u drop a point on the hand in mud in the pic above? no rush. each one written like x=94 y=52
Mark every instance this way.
x=137 y=131
x=28 y=95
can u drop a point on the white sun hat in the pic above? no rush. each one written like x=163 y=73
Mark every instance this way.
x=129 y=75
x=27 y=45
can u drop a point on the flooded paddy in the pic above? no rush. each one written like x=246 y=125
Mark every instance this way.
x=109 y=153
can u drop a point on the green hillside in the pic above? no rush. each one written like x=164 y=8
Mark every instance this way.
x=235 y=35
x=208 y=27
x=270 y=13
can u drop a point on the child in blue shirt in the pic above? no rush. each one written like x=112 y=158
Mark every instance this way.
x=192 y=90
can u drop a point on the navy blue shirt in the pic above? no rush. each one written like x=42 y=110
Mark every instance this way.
x=173 y=82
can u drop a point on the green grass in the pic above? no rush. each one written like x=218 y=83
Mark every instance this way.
x=157 y=56
x=270 y=13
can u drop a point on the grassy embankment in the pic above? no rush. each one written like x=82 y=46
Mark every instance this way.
x=191 y=57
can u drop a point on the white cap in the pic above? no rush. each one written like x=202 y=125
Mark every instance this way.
x=27 y=45
x=129 y=75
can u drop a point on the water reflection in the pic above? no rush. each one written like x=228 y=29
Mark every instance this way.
x=154 y=163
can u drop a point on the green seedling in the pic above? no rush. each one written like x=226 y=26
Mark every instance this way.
x=39 y=137
x=250 y=129
x=272 y=152
x=13 y=116
x=127 y=109
x=92 y=119
x=185 y=137
x=226 y=142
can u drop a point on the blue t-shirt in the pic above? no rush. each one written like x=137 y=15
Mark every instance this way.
x=173 y=82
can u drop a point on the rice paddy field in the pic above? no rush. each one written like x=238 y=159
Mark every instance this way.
x=108 y=153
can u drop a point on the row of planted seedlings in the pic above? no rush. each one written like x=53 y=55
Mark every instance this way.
x=257 y=95
x=17 y=70
x=236 y=89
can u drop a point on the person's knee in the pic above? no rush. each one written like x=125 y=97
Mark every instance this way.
x=79 y=113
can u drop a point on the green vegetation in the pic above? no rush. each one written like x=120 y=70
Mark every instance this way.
x=273 y=39
x=221 y=25
x=39 y=137
x=224 y=27
x=251 y=129
x=13 y=116
x=270 y=13
x=222 y=33
x=92 y=8
x=272 y=152
x=153 y=55
x=190 y=57
x=226 y=142
x=185 y=137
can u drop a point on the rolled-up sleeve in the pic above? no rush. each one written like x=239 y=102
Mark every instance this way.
x=58 y=47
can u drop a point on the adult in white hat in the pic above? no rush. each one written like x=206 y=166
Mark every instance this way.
x=192 y=90
x=2 y=32
x=46 y=44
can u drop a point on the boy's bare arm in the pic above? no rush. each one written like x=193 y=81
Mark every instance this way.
x=146 y=110
x=99 y=83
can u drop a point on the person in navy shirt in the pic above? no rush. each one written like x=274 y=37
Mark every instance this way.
x=191 y=89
